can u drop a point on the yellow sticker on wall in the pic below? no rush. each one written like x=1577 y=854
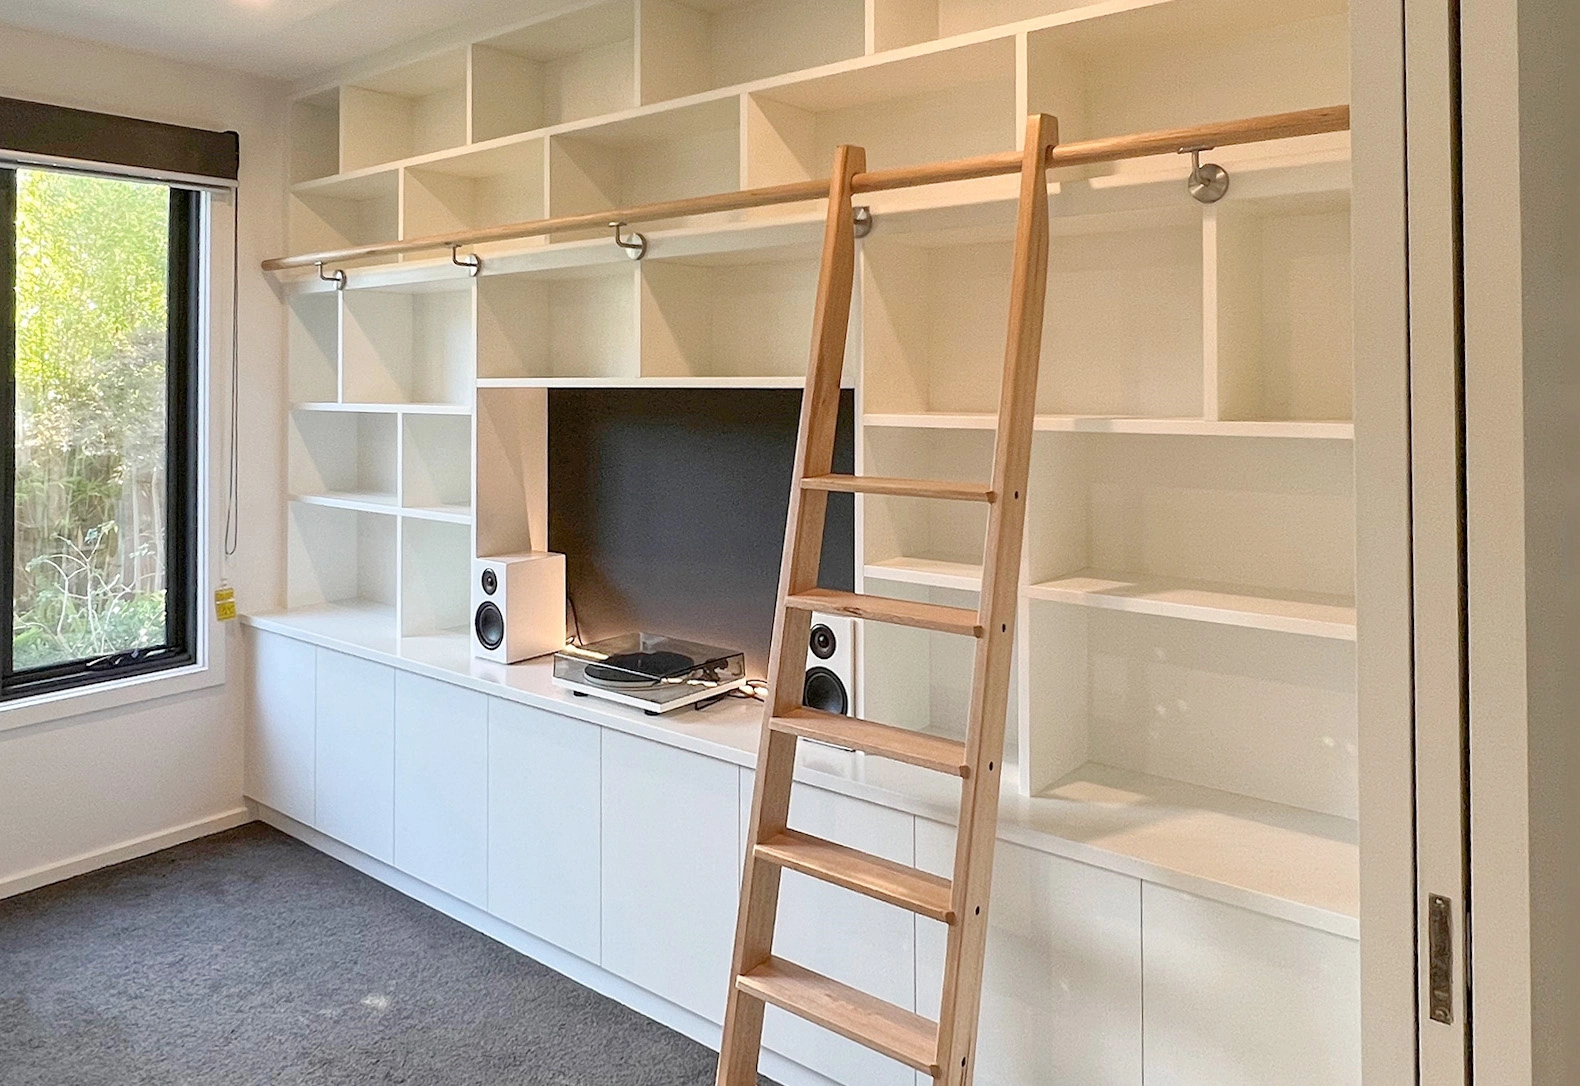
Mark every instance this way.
x=225 y=603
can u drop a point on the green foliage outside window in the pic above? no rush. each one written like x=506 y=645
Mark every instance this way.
x=91 y=323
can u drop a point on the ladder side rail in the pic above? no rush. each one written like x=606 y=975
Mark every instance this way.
x=978 y=828
x=743 y=1018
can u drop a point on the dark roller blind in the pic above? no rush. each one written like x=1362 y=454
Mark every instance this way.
x=35 y=128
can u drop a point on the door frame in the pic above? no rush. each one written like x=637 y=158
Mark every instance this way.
x=1383 y=568
x=1413 y=663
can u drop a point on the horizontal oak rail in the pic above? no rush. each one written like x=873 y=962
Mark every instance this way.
x=1307 y=122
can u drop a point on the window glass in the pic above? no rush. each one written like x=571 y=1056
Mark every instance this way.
x=92 y=268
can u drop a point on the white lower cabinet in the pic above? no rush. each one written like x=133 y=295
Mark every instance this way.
x=355 y=753
x=441 y=786
x=281 y=711
x=671 y=849
x=1061 y=996
x=627 y=852
x=1235 y=998
x=543 y=833
x=854 y=939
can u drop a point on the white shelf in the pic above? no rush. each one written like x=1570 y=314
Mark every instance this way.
x=360 y=501
x=1283 y=612
x=724 y=382
x=1106 y=424
x=330 y=407
x=962 y=576
x=1281 y=860
x=1311 y=615
x=444 y=514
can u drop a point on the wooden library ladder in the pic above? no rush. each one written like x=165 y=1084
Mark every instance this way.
x=944 y=1049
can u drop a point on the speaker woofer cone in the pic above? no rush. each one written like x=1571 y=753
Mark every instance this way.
x=490 y=625
x=826 y=691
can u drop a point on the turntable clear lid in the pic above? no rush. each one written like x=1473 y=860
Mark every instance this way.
x=652 y=666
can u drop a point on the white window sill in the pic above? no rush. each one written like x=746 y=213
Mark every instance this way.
x=114 y=694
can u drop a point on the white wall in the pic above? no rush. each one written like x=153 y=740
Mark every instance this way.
x=88 y=789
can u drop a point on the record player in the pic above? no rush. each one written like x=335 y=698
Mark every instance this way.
x=649 y=671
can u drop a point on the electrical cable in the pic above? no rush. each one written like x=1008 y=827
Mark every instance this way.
x=576 y=623
x=233 y=475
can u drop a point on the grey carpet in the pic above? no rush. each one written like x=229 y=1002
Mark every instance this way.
x=248 y=958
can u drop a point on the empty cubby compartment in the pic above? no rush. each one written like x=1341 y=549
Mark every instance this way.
x=565 y=68
x=950 y=104
x=408 y=346
x=1263 y=514
x=911 y=533
x=315 y=136
x=1185 y=63
x=436 y=462
x=921 y=679
x=410 y=110
x=337 y=214
x=576 y=322
x=496 y=187
x=344 y=454
x=341 y=556
x=312 y=344
x=1281 y=272
x=1241 y=710
x=1122 y=332
x=738 y=314
x=689 y=46
x=435 y=577
x=897 y=23
x=685 y=152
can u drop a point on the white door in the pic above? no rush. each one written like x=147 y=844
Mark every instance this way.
x=441 y=785
x=1437 y=465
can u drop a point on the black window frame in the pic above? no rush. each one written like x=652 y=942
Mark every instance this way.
x=183 y=414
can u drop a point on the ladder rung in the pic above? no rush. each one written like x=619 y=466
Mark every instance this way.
x=927 y=616
x=901 y=488
x=874 y=876
x=865 y=1019
x=914 y=748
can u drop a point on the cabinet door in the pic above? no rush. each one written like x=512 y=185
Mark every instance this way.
x=356 y=753
x=441 y=786
x=671 y=855
x=543 y=832
x=865 y=943
x=281 y=709
x=1061 y=992
x=1235 y=998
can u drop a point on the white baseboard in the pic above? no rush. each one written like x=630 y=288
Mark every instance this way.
x=583 y=972
x=12 y=885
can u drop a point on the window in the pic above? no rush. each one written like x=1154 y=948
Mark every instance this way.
x=98 y=498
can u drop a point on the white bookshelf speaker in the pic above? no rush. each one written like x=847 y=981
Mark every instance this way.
x=518 y=606
x=831 y=665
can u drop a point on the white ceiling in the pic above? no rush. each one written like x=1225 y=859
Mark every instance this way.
x=283 y=39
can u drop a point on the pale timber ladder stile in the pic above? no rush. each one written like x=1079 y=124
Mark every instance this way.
x=945 y=1050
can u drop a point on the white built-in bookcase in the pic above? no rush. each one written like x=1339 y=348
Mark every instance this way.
x=1187 y=628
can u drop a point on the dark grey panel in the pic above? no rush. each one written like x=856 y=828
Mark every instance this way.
x=670 y=507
